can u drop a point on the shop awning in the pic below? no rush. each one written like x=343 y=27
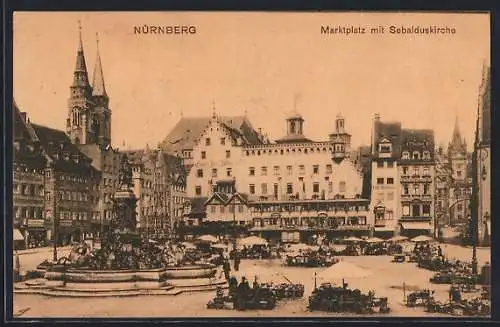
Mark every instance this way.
x=384 y=229
x=416 y=225
x=18 y=236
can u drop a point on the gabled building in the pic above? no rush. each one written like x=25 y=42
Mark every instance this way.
x=58 y=181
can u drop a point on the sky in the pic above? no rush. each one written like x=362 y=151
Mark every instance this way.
x=264 y=64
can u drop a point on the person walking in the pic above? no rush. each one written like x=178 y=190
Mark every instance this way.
x=237 y=260
x=226 y=268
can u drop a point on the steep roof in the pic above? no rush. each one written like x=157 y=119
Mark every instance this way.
x=188 y=130
x=66 y=156
x=98 y=87
x=198 y=204
x=392 y=132
x=418 y=140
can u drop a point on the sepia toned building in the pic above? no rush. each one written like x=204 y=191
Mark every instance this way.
x=484 y=159
x=293 y=182
x=58 y=181
x=442 y=189
x=402 y=176
x=88 y=126
x=160 y=187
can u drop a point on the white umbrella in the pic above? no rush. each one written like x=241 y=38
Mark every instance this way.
x=422 y=238
x=374 y=240
x=17 y=235
x=398 y=238
x=208 y=238
x=252 y=240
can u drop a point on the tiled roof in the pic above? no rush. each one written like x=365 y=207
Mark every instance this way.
x=294 y=139
x=418 y=140
x=57 y=145
x=391 y=131
x=188 y=130
x=198 y=204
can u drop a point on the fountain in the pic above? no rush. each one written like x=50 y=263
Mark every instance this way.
x=125 y=264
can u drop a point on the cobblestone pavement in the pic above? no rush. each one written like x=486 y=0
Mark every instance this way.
x=387 y=279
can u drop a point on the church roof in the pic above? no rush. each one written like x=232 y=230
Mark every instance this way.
x=188 y=130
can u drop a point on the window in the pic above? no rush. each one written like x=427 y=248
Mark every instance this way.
x=302 y=169
x=405 y=189
x=228 y=172
x=406 y=210
x=251 y=171
x=207 y=141
x=214 y=172
x=276 y=170
x=406 y=155
x=316 y=187
x=240 y=208
x=315 y=169
x=330 y=187
x=426 y=171
x=390 y=180
x=416 y=155
x=459 y=173
x=415 y=210
x=390 y=196
x=289 y=170
x=416 y=171
x=380 y=196
x=231 y=209
x=405 y=170
x=263 y=171
x=342 y=187
x=289 y=188
x=426 y=155
x=222 y=209
x=252 y=188
x=390 y=164
x=203 y=154
x=426 y=188
x=197 y=190
x=212 y=208
x=385 y=148
x=380 y=164
x=223 y=141
x=199 y=173
x=275 y=186
x=264 y=188
x=459 y=207
x=228 y=154
x=416 y=189
x=328 y=169
x=380 y=180
x=426 y=210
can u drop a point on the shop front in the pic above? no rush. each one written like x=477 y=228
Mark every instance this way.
x=36 y=233
x=412 y=229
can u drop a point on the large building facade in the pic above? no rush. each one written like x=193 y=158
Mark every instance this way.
x=290 y=185
x=55 y=186
x=403 y=179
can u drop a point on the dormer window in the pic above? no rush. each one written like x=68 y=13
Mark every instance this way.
x=385 y=148
x=416 y=155
x=426 y=155
x=406 y=155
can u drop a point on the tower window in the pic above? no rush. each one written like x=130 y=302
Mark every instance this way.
x=207 y=141
x=199 y=173
x=292 y=127
x=203 y=154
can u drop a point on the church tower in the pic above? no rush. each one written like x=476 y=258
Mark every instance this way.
x=340 y=139
x=457 y=154
x=101 y=99
x=80 y=124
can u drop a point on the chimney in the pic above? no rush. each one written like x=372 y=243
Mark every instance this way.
x=23 y=116
x=376 y=122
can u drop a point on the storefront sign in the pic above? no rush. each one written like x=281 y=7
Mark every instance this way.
x=66 y=223
x=36 y=223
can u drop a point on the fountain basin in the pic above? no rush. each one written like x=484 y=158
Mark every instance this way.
x=106 y=276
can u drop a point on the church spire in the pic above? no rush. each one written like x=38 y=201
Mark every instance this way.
x=456 y=131
x=98 y=82
x=80 y=57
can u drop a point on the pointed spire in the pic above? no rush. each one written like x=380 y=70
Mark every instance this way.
x=98 y=83
x=81 y=66
x=214 y=114
x=456 y=130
